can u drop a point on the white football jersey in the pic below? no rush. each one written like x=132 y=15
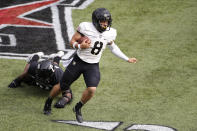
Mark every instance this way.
x=98 y=42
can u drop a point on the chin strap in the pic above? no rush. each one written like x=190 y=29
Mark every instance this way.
x=116 y=51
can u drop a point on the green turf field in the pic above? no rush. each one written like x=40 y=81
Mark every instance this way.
x=160 y=89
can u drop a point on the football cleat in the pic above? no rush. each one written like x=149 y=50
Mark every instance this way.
x=78 y=115
x=14 y=84
x=61 y=103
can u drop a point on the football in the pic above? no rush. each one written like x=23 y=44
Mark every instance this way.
x=82 y=39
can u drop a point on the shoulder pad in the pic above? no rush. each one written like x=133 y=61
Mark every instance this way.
x=85 y=26
x=110 y=35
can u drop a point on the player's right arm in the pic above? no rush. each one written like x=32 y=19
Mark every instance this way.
x=74 y=44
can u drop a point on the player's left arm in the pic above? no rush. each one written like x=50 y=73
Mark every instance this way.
x=116 y=51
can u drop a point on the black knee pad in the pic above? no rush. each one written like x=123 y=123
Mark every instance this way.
x=69 y=91
x=66 y=91
x=65 y=94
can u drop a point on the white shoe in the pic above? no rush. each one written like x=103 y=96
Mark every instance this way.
x=40 y=54
x=59 y=53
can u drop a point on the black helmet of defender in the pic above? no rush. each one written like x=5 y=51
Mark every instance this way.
x=45 y=69
x=99 y=15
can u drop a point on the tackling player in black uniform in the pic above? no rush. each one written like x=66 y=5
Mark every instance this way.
x=45 y=74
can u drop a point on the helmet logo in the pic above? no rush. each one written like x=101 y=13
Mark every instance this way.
x=107 y=17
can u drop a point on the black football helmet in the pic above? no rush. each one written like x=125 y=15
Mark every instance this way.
x=45 y=69
x=101 y=14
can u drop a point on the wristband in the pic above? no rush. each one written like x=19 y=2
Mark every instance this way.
x=79 y=46
x=74 y=44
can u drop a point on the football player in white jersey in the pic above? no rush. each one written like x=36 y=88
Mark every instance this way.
x=86 y=61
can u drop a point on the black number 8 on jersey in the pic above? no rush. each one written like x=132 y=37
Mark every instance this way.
x=97 y=48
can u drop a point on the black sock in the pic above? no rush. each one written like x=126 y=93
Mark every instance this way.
x=78 y=105
x=18 y=81
x=49 y=100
